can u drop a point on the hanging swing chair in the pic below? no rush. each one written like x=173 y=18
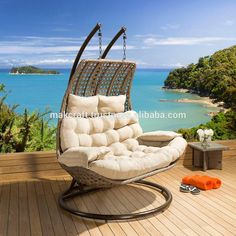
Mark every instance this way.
x=109 y=149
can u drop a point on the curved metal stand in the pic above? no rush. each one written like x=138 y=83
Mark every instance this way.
x=74 y=191
x=82 y=48
x=109 y=46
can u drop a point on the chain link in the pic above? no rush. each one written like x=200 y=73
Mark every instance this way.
x=124 y=46
x=100 y=42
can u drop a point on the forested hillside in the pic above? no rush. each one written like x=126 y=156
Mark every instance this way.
x=213 y=76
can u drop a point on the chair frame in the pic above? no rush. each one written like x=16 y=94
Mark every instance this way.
x=85 y=180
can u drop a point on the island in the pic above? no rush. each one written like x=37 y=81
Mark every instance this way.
x=31 y=70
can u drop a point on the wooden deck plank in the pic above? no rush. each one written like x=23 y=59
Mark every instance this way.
x=195 y=206
x=211 y=194
x=90 y=224
x=4 y=208
x=184 y=215
x=180 y=212
x=46 y=224
x=57 y=224
x=13 y=220
x=79 y=223
x=24 y=222
x=145 y=199
x=31 y=183
x=112 y=208
x=192 y=212
x=124 y=203
x=91 y=207
x=216 y=211
x=49 y=174
x=69 y=225
x=100 y=206
x=28 y=168
x=151 y=227
x=35 y=224
x=27 y=161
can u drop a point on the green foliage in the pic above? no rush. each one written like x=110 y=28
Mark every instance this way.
x=31 y=70
x=24 y=132
x=213 y=76
x=223 y=124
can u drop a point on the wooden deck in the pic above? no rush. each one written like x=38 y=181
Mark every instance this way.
x=30 y=185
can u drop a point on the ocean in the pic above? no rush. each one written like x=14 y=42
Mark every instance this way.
x=38 y=92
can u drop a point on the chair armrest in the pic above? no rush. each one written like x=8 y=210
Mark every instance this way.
x=81 y=156
x=159 y=136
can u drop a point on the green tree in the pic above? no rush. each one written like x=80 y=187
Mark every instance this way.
x=24 y=132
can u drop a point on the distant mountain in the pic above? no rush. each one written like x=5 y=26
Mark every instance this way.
x=31 y=70
x=213 y=76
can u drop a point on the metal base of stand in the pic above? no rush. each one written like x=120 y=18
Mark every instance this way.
x=74 y=191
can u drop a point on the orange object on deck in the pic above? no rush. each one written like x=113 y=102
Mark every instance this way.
x=202 y=182
x=216 y=182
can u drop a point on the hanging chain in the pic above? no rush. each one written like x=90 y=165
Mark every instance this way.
x=100 y=42
x=124 y=46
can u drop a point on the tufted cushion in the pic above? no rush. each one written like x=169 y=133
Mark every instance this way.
x=99 y=131
x=121 y=164
x=122 y=155
x=111 y=104
x=87 y=106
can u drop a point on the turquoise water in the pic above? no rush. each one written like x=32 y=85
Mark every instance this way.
x=36 y=92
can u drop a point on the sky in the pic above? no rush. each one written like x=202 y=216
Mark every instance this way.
x=160 y=33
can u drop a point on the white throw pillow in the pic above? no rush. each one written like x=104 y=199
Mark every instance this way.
x=159 y=136
x=111 y=104
x=86 y=106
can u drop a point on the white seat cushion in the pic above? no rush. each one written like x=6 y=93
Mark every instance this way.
x=125 y=165
x=123 y=156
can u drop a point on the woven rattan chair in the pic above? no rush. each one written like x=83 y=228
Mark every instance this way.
x=93 y=77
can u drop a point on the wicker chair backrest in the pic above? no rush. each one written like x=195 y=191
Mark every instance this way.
x=99 y=76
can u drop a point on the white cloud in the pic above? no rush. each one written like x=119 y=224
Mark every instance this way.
x=173 y=65
x=57 y=61
x=229 y=22
x=42 y=62
x=47 y=45
x=19 y=49
x=34 y=50
x=60 y=29
x=152 y=41
x=145 y=35
x=170 y=26
x=140 y=62
x=164 y=66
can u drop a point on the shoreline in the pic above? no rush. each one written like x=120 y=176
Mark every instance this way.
x=177 y=90
x=202 y=99
x=205 y=101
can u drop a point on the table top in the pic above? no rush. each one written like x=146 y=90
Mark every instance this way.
x=213 y=146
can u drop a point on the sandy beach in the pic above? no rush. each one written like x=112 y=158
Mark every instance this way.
x=202 y=100
x=176 y=90
x=205 y=101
